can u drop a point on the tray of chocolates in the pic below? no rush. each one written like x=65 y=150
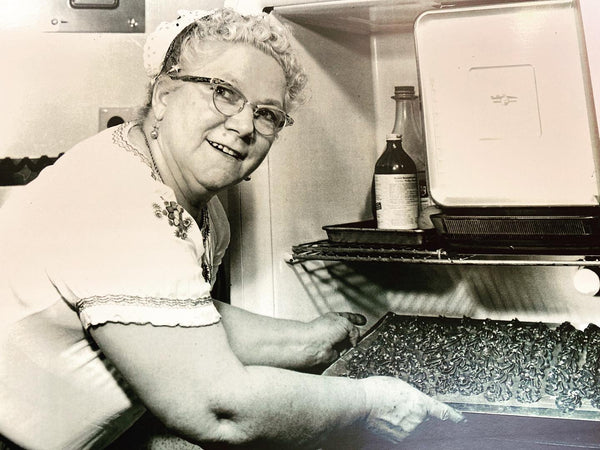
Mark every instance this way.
x=487 y=366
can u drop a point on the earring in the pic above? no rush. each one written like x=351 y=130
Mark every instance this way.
x=154 y=132
x=247 y=179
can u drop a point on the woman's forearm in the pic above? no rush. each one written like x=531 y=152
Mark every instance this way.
x=274 y=408
x=190 y=379
x=266 y=341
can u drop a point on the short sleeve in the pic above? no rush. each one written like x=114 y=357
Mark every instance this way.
x=124 y=250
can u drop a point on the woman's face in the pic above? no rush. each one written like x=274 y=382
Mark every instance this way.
x=205 y=150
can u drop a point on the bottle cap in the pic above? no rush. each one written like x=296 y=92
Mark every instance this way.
x=404 y=92
x=393 y=137
x=404 y=89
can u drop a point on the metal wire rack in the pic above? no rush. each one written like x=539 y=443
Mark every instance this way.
x=327 y=250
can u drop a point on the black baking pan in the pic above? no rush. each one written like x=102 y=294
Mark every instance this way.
x=366 y=232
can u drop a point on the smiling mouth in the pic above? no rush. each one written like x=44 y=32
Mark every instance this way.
x=226 y=150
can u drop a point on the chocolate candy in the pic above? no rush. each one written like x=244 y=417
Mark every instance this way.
x=496 y=360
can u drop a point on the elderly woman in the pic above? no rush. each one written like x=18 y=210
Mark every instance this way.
x=108 y=258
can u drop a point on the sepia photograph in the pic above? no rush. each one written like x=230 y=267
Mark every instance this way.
x=300 y=224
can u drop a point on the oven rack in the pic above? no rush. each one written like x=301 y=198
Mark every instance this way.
x=326 y=250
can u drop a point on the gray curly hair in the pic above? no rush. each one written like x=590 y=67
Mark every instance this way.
x=262 y=31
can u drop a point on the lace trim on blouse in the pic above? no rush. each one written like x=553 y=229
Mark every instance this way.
x=127 y=309
x=120 y=139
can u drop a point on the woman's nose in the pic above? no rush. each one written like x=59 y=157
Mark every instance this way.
x=242 y=122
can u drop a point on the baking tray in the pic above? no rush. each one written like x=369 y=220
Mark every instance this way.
x=544 y=407
x=526 y=233
x=366 y=232
x=500 y=111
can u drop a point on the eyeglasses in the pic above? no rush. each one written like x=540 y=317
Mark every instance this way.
x=229 y=101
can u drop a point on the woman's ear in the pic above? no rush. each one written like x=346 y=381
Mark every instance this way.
x=160 y=92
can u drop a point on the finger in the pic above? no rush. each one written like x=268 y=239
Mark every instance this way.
x=353 y=335
x=356 y=319
x=391 y=433
x=409 y=424
x=444 y=412
x=333 y=355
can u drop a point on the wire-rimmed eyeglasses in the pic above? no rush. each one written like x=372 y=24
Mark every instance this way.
x=229 y=101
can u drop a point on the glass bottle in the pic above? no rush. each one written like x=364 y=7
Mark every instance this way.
x=395 y=188
x=408 y=123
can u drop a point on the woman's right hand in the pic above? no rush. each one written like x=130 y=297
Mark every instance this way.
x=396 y=408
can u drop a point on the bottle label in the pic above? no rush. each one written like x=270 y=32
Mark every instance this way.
x=396 y=201
x=424 y=198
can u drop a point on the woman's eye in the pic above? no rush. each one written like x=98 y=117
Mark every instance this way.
x=268 y=115
x=227 y=94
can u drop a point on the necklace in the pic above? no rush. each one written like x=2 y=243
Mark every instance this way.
x=204 y=222
x=151 y=155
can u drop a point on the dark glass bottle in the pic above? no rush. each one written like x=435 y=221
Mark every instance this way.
x=408 y=123
x=395 y=188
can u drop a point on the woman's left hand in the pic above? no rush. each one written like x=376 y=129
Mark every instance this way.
x=331 y=333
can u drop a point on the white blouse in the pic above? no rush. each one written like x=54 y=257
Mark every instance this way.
x=95 y=238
